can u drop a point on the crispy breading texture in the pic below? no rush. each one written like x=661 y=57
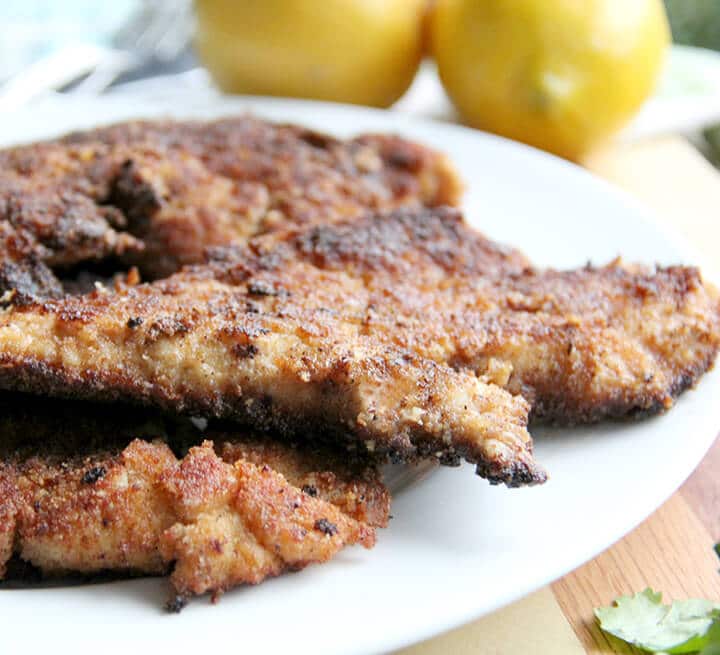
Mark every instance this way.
x=195 y=343
x=72 y=431
x=584 y=345
x=350 y=482
x=396 y=314
x=156 y=194
x=213 y=521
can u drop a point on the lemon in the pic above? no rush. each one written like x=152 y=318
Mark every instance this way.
x=562 y=75
x=357 y=51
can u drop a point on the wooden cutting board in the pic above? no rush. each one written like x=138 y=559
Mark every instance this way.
x=672 y=551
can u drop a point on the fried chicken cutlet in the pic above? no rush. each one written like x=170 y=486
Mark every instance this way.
x=581 y=345
x=156 y=194
x=88 y=489
x=220 y=340
x=397 y=330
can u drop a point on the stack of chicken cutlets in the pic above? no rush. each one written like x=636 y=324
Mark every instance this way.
x=213 y=335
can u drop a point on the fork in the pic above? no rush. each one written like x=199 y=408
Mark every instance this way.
x=158 y=32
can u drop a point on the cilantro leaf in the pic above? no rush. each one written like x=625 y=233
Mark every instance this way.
x=642 y=620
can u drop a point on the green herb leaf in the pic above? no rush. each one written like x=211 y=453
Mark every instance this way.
x=712 y=647
x=642 y=620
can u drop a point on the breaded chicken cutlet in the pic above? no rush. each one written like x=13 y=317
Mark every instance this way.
x=398 y=331
x=156 y=194
x=583 y=345
x=89 y=489
x=212 y=341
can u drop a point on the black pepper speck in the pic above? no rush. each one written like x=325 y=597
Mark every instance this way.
x=94 y=474
x=310 y=490
x=330 y=529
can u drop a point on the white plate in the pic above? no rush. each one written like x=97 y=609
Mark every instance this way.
x=456 y=548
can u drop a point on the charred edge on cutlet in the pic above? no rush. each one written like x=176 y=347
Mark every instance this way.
x=176 y=604
x=38 y=377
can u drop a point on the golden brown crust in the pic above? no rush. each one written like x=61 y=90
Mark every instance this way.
x=295 y=384
x=615 y=341
x=347 y=481
x=371 y=329
x=145 y=512
x=223 y=340
x=156 y=194
x=231 y=179
x=197 y=344
x=67 y=432
x=243 y=523
x=220 y=516
x=395 y=314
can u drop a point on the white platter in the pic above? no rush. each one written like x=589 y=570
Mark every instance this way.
x=456 y=548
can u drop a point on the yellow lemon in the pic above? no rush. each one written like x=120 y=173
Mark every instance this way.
x=357 y=51
x=561 y=75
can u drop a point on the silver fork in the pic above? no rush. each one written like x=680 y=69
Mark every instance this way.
x=158 y=32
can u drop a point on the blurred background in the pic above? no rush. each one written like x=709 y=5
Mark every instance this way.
x=560 y=78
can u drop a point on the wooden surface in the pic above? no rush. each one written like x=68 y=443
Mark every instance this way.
x=672 y=551
x=531 y=626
